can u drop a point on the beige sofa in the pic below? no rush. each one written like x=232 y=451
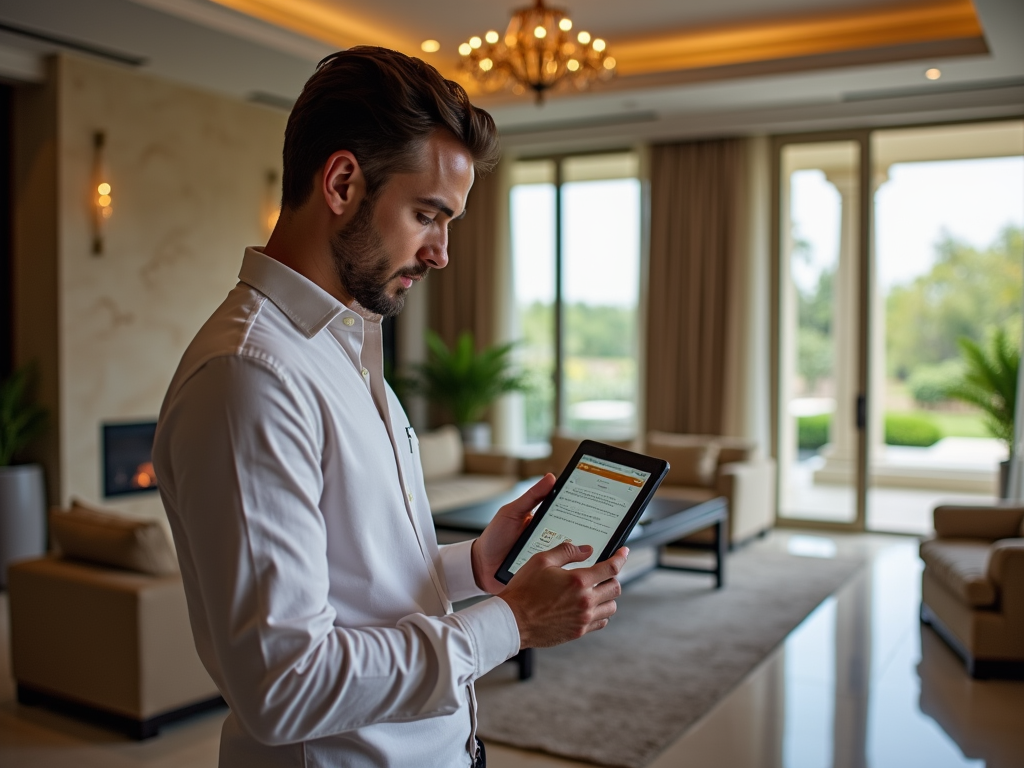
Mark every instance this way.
x=105 y=641
x=456 y=478
x=701 y=468
x=972 y=588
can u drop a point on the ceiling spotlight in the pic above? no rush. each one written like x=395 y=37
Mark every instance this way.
x=430 y=46
x=933 y=74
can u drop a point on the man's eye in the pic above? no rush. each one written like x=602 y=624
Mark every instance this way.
x=424 y=219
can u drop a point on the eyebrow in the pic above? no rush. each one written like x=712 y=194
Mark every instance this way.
x=436 y=202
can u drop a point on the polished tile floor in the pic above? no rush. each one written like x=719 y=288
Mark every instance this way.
x=859 y=683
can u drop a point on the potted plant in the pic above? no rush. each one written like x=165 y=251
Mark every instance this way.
x=22 y=490
x=466 y=382
x=989 y=381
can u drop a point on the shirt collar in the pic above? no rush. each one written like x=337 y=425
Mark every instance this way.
x=305 y=303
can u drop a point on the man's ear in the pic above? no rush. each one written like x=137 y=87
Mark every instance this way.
x=344 y=185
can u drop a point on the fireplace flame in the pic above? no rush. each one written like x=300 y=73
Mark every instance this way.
x=145 y=476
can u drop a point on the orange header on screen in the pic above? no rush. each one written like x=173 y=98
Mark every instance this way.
x=616 y=476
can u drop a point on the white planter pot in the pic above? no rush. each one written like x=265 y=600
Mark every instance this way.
x=22 y=515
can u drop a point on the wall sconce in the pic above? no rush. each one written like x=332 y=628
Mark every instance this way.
x=102 y=207
x=271 y=203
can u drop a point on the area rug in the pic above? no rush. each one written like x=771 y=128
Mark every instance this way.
x=620 y=696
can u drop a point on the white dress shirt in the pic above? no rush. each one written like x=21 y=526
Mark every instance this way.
x=319 y=599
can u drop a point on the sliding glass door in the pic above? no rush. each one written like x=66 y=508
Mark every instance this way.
x=872 y=323
x=820 y=404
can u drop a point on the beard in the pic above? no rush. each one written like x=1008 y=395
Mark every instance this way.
x=363 y=264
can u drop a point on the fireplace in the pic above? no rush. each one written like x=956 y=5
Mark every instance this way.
x=128 y=458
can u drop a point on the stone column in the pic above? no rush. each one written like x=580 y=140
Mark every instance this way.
x=841 y=453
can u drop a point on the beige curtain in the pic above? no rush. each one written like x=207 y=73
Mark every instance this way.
x=697 y=196
x=462 y=295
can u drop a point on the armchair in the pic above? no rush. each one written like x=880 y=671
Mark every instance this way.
x=972 y=588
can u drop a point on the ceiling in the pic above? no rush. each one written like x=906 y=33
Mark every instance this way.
x=686 y=68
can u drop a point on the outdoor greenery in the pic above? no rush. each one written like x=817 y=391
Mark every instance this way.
x=20 y=418
x=910 y=429
x=599 y=364
x=989 y=381
x=814 y=320
x=465 y=381
x=966 y=293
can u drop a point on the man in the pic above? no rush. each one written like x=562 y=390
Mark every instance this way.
x=318 y=596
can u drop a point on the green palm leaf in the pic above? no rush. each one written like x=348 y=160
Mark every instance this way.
x=989 y=382
x=20 y=419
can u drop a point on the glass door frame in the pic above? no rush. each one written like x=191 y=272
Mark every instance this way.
x=865 y=267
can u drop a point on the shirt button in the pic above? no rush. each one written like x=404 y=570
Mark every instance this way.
x=410 y=497
x=349 y=320
x=365 y=372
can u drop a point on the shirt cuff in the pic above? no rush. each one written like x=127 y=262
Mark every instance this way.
x=457 y=563
x=492 y=627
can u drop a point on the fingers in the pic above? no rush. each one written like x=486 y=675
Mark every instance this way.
x=522 y=506
x=610 y=568
x=565 y=553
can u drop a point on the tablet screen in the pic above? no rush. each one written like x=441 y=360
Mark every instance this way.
x=588 y=510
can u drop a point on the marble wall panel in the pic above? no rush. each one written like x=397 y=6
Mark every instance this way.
x=188 y=171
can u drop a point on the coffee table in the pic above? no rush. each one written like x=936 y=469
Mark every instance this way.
x=664 y=521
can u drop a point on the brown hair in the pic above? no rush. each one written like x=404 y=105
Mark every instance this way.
x=380 y=105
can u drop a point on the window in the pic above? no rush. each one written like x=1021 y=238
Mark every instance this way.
x=575 y=225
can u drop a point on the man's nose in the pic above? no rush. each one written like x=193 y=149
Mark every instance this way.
x=435 y=253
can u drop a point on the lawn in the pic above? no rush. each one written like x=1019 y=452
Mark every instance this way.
x=959 y=424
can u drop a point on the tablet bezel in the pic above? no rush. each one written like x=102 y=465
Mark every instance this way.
x=657 y=467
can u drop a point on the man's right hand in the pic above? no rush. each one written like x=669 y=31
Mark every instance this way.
x=553 y=605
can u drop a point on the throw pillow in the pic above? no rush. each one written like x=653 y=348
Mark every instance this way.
x=84 y=533
x=691 y=464
x=441 y=453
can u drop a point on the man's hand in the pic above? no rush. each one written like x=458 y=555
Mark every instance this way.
x=552 y=605
x=489 y=551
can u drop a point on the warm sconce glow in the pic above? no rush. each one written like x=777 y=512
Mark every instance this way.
x=102 y=204
x=933 y=73
x=430 y=46
x=271 y=203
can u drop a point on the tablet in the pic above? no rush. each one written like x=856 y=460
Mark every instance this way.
x=597 y=500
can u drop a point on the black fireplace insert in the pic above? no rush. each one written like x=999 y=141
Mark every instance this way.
x=128 y=458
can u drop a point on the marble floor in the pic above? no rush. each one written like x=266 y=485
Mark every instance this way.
x=859 y=683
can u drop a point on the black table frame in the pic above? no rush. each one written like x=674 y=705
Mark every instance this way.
x=663 y=522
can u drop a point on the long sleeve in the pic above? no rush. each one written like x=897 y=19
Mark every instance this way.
x=240 y=457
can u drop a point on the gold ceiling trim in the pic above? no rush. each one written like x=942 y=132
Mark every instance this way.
x=318 y=21
x=798 y=38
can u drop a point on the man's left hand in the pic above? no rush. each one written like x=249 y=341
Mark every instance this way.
x=491 y=549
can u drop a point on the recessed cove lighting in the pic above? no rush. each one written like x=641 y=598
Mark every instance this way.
x=430 y=46
x=933 y=73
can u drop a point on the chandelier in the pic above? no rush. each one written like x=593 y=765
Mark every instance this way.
x=539 y=52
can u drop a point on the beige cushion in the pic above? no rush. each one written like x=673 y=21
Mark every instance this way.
x=692 y=458
x=736 y=449
x=564 y=446
x=85 y=533
x=961 y=566
x=987 y=521
x=441 y=453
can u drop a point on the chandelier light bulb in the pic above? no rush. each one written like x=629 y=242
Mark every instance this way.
x=572 y=65
x=475 y=42
x=430 y=46
x=583 y=37
x=491 y=37
x=565 y=25
x=598 y=45
x=609 y=63
x=539 y=32
x=486 y=64
x=465 y=49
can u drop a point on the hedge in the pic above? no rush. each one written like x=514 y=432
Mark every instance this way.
x=900 y=429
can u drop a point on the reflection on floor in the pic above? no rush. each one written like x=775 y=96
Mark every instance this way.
x=858 y=683
x=896 y=510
